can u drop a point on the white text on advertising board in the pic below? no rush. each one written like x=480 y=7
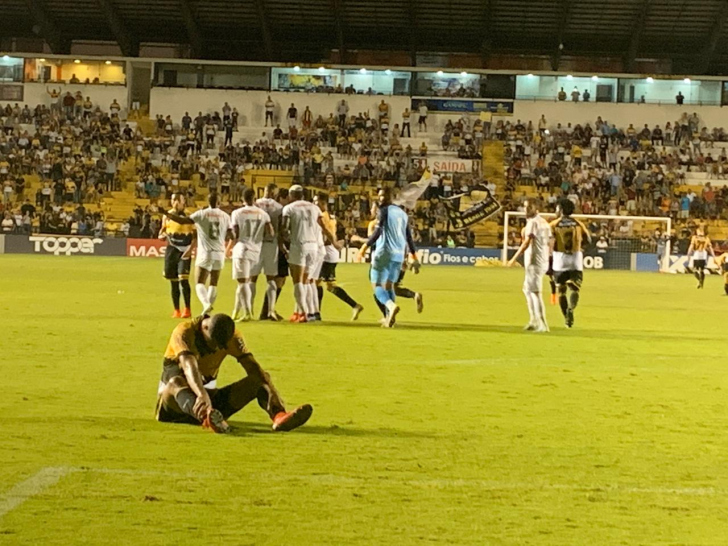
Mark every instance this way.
x=64 y=245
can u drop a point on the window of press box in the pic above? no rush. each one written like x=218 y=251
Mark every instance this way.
x=447 y=84
x=70 y=71
x=310 y=80
x=377 y=82
x=575 y=88
x=11 y=69
x=210 y=76
x=653 y=91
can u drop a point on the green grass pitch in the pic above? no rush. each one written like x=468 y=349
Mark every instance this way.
x=454 y=428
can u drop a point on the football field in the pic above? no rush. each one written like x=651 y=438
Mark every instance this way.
x=455 y=427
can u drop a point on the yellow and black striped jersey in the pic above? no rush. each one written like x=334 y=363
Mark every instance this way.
x=178 y=235
x=569 y=234
x=700 y=243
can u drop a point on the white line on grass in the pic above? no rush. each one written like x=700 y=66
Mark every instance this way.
x=51 y=475
x=35 y=485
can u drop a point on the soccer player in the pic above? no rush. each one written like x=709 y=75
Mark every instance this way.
x=700 y=246
x=722 y=262
x=188 y=390
x=213 y=228
x=392 y=236
x=270 y=257
x=399 y=290
x=250 y=225
x=536 y=242
x=301 y=221
x=177 y=256
x=282 y=198
x=569 y=234
x=331 y=259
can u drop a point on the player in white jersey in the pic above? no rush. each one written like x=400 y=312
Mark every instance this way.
x=269 y=254
x=536 y=244
x=314 y=309
x=250 y=225
x=213 y=228
x=302 y=221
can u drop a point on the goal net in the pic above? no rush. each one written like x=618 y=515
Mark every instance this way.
x=618 y=242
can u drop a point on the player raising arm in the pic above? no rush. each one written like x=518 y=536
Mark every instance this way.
x=250 y=225
x=177 y=257
x=213 y=227
x=392 y=237
x=536 y=241
x=569 y=235
x=188 y=390
x=700 y=246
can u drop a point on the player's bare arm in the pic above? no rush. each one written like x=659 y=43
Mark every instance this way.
x=521 y=249
x=189 y=366
x=176 y=217
x=282 y=232
x=254 y=370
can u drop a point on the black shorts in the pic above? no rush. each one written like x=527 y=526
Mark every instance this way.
x=699 y=264
x=328 y=272
x=282 y=265
x=174 y=266
x=423 y=119
x=570 y=278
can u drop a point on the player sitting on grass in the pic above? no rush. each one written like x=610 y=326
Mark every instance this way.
x=188 y=392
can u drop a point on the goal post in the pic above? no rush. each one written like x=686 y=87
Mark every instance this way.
x=625 y=237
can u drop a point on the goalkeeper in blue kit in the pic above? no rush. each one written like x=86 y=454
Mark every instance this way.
x=392 y=237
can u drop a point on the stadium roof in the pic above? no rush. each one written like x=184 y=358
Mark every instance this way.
x=690 y=33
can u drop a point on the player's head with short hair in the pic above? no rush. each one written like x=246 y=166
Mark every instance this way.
x=219 y=330
x=282 y=196
x=296 y=192
x=322 y=200
x=212 y=200
x=178 y=201
x=270 y=190
x=385 y=197
x=567 y=207
x=532 y=205
x=249 y=196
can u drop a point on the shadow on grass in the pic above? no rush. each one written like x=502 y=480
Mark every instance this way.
x=239 y=428
x=558 y=331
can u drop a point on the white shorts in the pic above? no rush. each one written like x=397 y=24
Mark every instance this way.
x=244 y=267
x=534 y=279
x=268 y=263
x=210 y=261
x=568 y=262
x=315 y=271
x=303 y=255
x=700 y=255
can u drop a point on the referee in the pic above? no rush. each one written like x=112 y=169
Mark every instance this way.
x=178 y=255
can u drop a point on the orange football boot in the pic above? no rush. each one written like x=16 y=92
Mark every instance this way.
x=285 y=421
x=216 y=422
x=186 y=313
x=176 y=314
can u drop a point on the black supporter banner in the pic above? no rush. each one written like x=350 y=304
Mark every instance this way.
x=469 y=208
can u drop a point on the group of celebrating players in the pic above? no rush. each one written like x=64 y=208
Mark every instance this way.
x=279 y=232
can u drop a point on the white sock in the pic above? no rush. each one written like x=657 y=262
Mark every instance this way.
x=271 y=295
x=212 y=294
x=239 y=303
x=314 y=295
x=531 y=311
x=245 y=292
x=299 y=293
x=201 y=291
x=539 y=309
x=252 y=286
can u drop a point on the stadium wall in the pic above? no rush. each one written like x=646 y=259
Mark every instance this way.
x=101 y=95
x=619 y=114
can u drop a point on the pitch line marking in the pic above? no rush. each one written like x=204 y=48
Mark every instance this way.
x=49 y=476
x=35 y=485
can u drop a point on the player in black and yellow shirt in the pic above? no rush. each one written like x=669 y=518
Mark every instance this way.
x=188 y=390
x=178 y=255
x=700 y=247
x=722 y=262
x=569 y=235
